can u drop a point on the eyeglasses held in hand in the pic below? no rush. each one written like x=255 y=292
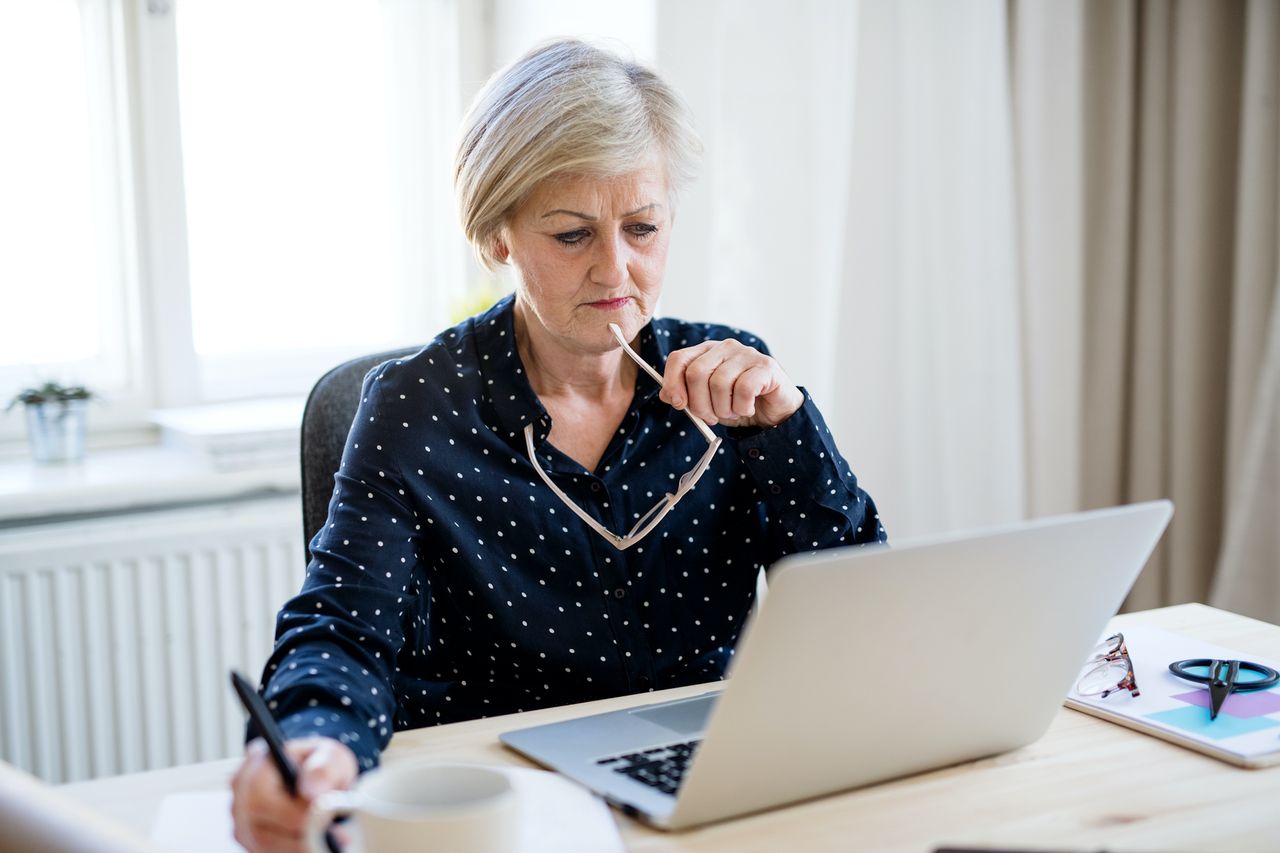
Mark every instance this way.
x=654 y=516
x=1109 y=670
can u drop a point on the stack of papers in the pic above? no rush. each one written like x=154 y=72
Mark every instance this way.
x=236 y=436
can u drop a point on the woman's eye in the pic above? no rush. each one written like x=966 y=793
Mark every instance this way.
x=573 y=238
x=643 y=230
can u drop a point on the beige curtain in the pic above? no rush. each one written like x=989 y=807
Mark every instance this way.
x=1248 y=576
x=1147 y=143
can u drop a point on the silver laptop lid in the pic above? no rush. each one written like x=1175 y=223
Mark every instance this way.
x=872 y=663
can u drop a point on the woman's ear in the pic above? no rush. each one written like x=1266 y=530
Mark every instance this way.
x=500 y=249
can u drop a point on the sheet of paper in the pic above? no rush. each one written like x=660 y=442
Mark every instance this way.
x=556 y=816
x=199 y=821
x=559 y=816
x=1247 y=727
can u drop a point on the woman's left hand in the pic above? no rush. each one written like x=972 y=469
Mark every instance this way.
x=730 y=383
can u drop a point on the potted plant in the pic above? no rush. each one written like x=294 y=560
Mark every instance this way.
x=56 y=420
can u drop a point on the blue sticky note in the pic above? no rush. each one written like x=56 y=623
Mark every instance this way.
x=1196 y=720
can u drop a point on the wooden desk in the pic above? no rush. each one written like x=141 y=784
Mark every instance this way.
x=1086 y=785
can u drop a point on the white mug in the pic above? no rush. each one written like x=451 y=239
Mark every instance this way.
x=423 y=806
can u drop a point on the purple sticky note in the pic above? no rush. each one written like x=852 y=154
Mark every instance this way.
x=1242 y=705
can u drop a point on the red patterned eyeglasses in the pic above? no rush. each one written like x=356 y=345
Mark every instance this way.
x=1109 y=670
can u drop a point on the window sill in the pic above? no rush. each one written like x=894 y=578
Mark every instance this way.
x=111 y=481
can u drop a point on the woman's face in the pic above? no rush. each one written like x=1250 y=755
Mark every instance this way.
x=589 y=252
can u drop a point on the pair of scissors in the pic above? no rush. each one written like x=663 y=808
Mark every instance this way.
x=1224 y=677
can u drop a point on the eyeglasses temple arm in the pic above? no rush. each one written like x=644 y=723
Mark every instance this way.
x=657 y=377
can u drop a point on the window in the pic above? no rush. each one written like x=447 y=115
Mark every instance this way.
x=315 y=180
x=295 y=188
x=288 y=183
x=211 y=200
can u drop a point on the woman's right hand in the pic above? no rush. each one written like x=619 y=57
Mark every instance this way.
x=267 y=819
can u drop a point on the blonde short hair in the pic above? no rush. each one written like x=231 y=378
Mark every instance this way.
x=566 y=107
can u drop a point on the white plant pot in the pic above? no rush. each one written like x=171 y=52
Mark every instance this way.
x=57 y=430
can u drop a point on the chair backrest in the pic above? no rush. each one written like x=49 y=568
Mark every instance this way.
x=326 y=420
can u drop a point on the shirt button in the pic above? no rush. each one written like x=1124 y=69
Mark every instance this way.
x=775 y=489
x=595 y=487
x=754 y=453
x=619 y=592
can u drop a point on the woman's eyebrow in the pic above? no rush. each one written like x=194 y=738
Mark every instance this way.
x=559 y=212
x=562 y=212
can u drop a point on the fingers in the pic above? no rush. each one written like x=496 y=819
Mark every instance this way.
x=731 y=387
x=674 y=391
x=266 y=816
x=751 y=384
x=721 y=381
x=697 y=382
x=323 y=765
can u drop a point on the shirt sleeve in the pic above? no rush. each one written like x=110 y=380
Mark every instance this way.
x=331 y=672
x=811 y=495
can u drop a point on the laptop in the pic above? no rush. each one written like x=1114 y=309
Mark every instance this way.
x=871 y=663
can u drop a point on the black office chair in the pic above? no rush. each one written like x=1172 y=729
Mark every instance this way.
x=326 y=420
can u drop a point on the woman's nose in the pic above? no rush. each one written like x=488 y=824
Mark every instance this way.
x=610 y=264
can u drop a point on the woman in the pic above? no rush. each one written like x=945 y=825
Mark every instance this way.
x=476 y=559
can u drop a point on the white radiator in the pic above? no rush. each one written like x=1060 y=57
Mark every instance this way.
x=116 y=635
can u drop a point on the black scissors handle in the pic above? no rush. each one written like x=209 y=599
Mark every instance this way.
x=1223 y=678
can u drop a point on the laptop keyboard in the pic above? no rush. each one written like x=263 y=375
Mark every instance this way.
x=661 y=767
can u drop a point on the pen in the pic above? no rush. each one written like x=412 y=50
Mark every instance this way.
x=266 y=726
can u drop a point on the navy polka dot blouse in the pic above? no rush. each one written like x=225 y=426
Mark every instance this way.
x=450 y=583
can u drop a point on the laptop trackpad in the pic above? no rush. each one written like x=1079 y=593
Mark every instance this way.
x=686 y=717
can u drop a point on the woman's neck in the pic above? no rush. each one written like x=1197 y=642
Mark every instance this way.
x=558 y=372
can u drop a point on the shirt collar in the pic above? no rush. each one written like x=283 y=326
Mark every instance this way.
x=506 y=382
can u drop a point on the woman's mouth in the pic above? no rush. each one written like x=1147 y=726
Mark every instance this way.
x=609 y=304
